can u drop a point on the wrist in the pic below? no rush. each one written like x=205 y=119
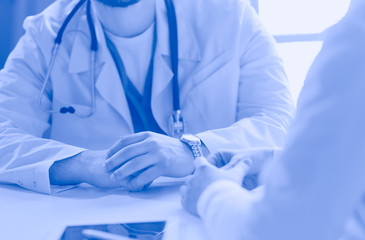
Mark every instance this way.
x=189 y=159
x=187 y=151
x=85 y=163
x=67 y=171
x=205 y=150
x=193 y=143
x=80 y=167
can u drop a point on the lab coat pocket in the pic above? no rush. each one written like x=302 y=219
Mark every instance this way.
x=209 y=69
x=213 y=100
x=70 y=128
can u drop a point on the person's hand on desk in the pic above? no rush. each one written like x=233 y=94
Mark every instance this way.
x=232 y=165
x=256 y=156
x=207 y=174
x=142 y=157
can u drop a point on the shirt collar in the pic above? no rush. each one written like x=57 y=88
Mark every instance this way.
x=188 y=44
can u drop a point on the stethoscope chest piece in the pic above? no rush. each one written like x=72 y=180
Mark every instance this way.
x=176 y=124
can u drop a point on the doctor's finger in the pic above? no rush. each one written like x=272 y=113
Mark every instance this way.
x=132 y=167
x=126 y=141
x=144 y=179
x=124 y=155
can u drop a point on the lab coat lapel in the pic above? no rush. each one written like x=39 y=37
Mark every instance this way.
x=80 y=53
x=108 y=83
x=161 y=101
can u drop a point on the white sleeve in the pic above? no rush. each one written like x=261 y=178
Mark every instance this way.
x=264 y=104
x=316 y=184
x=224 y=206
x=25 y=154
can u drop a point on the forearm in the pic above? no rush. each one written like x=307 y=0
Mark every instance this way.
x=26 y=159
x=253 y=132
x=249 y=138
x=67 y=172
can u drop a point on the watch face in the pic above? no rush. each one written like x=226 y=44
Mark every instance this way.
x=194 y=143
x=190 y=138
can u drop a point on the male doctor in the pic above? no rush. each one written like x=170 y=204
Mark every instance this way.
x=232 y=89
x=315 y=188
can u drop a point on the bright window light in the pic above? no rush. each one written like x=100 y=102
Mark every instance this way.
x=301 y=16
x=293 y=18
x=298 y=57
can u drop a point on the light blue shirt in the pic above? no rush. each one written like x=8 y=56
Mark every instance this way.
x=136 y=55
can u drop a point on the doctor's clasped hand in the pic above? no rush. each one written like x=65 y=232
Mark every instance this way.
x=145 y=156
x=134 y=161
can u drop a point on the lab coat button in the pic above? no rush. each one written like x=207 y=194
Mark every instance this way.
x=34 y=184
x=20 y=183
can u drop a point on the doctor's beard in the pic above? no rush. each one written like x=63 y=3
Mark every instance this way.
x=118 y=3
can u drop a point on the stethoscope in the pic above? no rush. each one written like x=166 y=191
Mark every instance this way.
x=176 y=121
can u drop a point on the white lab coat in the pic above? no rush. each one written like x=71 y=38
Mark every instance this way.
x=233 y=88
x=314 y=186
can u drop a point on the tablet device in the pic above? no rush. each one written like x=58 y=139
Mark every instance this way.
x=119 y=231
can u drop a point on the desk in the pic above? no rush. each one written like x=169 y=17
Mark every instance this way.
x=29 y=215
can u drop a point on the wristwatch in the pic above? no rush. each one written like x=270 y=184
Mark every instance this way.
x=193 y=143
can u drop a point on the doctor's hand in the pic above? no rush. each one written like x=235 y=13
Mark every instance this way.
x=87 y=166
x=93 y=170
x=205 y=175
x=142 y=157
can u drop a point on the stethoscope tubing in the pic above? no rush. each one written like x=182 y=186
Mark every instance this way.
x=176 y=120
x=93 y=48
x=173 y=42
x=46 y=79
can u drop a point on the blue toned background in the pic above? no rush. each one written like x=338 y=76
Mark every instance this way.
x=12 y=14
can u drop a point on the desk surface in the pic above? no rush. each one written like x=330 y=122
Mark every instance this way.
x=29 y=215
